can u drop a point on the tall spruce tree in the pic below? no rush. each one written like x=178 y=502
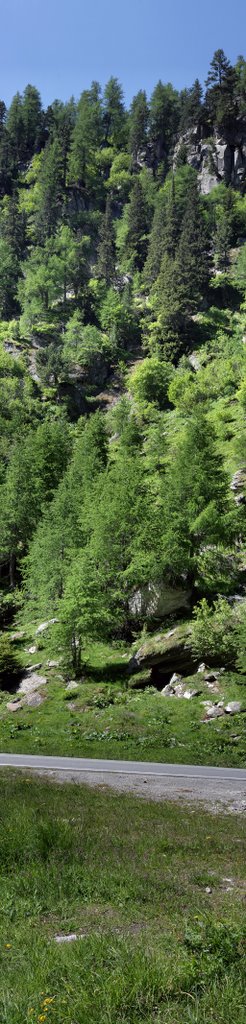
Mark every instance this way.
x=106 y=253
x=138 y=126
x=138 y=223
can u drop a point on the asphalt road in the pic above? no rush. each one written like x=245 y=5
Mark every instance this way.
x=216 y=788
x=87 y=764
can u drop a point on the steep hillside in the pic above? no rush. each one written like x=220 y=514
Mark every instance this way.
x=123 y=379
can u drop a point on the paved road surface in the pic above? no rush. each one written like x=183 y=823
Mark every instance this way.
x=217 y=788
x=87 y=764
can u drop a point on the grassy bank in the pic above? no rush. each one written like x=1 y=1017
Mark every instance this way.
x=105 y=718
x=132 y=879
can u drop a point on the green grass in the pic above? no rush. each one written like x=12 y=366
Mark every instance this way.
x=131 y=877
x=107 y=718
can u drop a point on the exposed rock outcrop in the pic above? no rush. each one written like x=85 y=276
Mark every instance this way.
x=156 y=600
x=164 y=654
x=222 y=157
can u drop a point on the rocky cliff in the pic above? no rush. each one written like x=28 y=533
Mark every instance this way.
x=220 y=158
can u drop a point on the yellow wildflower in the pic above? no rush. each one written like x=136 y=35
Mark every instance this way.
x=7 y=945
x=41 y=1018
x=48 y=1000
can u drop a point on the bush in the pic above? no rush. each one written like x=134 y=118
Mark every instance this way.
x=213 y=635
x=10 y=666
x=218 y=571
x=150 y=380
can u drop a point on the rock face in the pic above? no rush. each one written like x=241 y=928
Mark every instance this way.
x=238 y=486
x=154 y=601
x=164 y=654
x=219 y=158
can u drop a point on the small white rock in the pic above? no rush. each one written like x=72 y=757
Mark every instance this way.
x=233 y=707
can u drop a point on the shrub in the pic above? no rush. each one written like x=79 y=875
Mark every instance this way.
x=150 y=380
x=213 y=634
x=10 y=666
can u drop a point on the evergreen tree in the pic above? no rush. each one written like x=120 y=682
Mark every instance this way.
x=16 y=130
x=163 y=123
x=192 y=257
x=86 y=139
x=32 y=121
x=106 y=253
x=240 y=70
x=114 y=115
x=196 y=491
x=171 y=225
x=166 y=302
x=220 y=94
x=191 y=106
x=138 y=223
x=138 y=126
x=61 y=119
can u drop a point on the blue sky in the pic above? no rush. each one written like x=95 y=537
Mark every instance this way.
x=61 y=46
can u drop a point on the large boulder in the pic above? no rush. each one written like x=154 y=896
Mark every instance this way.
x=154 y=601
x=31 y=682
x=165 y=653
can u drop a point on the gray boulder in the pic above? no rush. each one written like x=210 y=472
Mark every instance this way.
x=165 y=653
x=233 y=707
x=216 y=711
x=33 y=700
x=45 y=625
x=157 y=600
x=31 y=683
x=14 y=705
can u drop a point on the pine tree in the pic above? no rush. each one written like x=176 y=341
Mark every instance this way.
x=114 y=115
x=191 y=106
x=16 y=130
x=163 y=122
x=106 y=253
x=196 y=490
x=220 y=100
x=138 y=126
x=87 y=137
x=171 y=225
x=49 y=194
x=192 y=256
x=166 y=302
x=138 y=227
x=32 y=120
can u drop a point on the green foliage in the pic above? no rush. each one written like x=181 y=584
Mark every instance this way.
x=150 y=380
x=110 y=259
x=10 y=666
x=213 y=634
x=86 y=346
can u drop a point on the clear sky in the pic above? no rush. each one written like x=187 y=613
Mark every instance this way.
x=62 y=45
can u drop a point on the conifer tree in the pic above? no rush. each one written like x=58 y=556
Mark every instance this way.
x=106 y=253
x=137 y=226
x=192 y=257
x=114 y=115
x=138 y=126
x=32 y=120
x=221 y=86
